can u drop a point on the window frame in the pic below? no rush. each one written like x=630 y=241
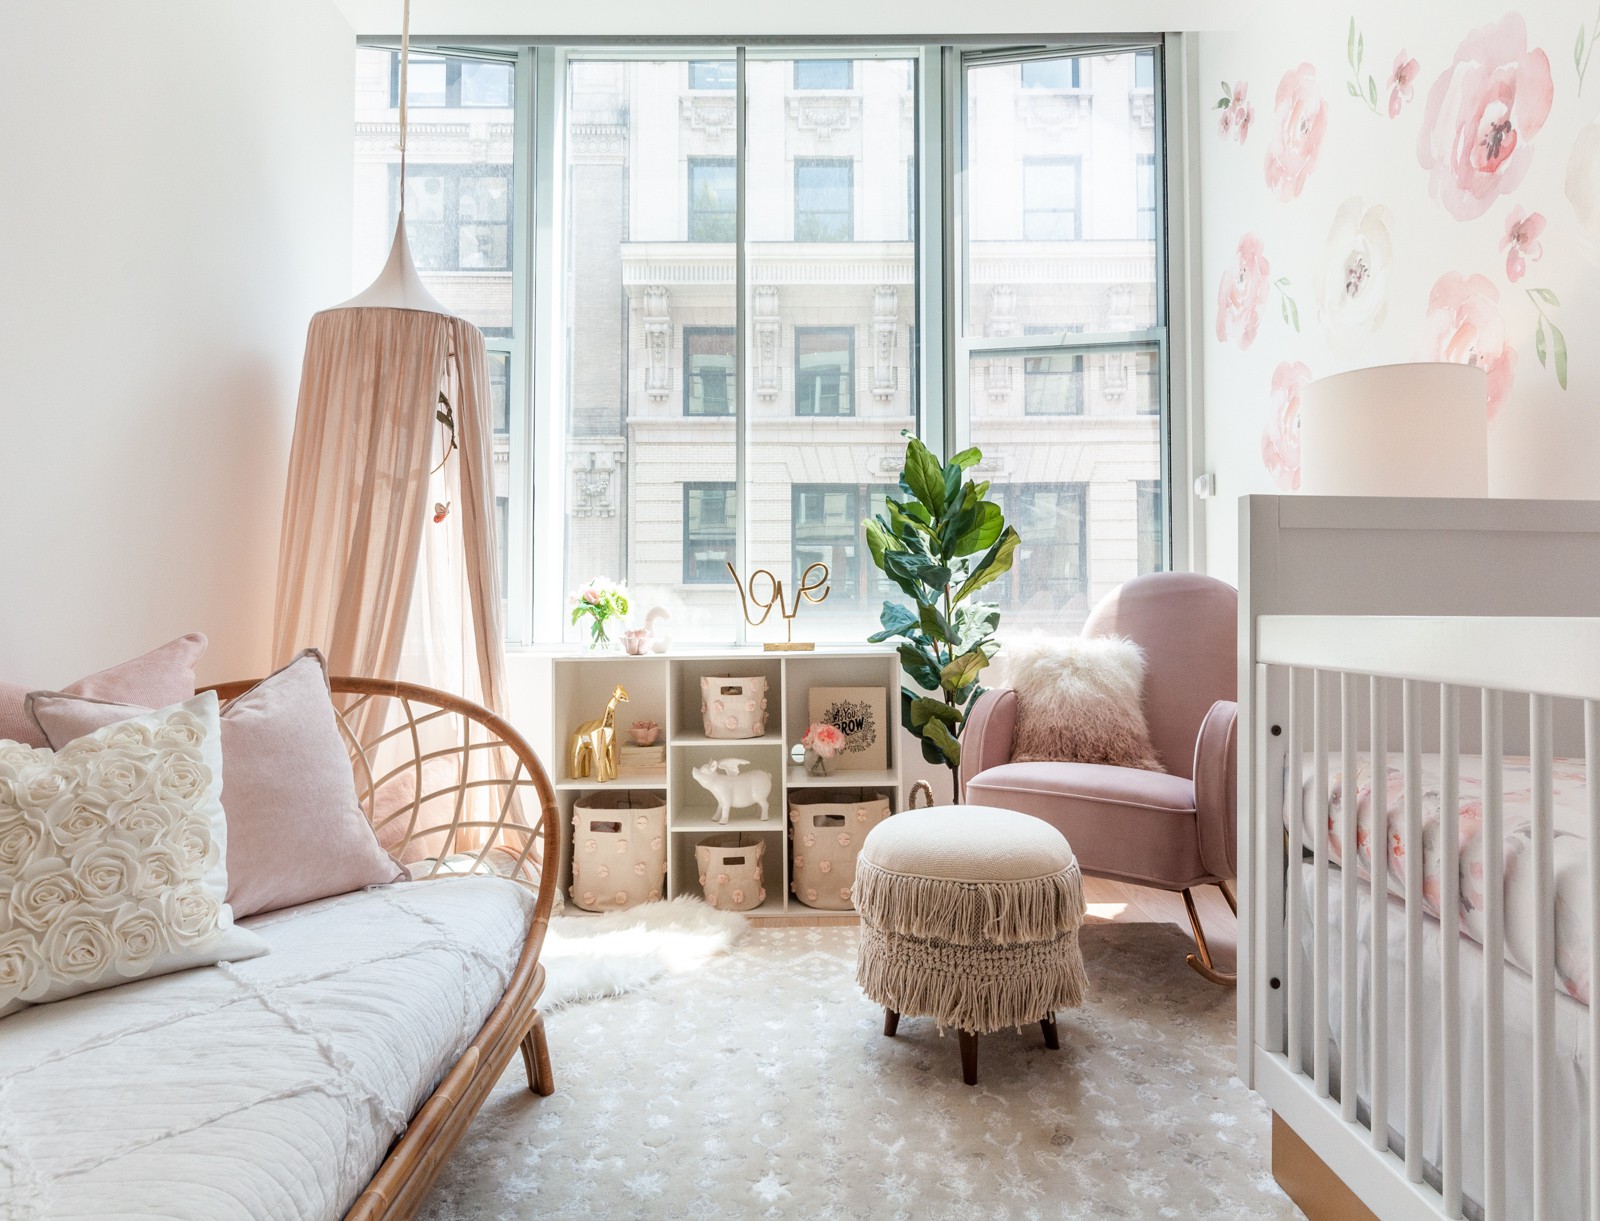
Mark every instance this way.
x=691 y=333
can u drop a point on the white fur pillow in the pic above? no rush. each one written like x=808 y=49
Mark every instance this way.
x=1079 y=700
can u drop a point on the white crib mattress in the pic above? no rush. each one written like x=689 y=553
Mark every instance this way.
x=1569 y=1127
x=268 y=1089
x=1573 y=898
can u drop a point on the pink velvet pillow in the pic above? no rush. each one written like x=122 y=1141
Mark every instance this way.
x=160 y=678
x=295 y=829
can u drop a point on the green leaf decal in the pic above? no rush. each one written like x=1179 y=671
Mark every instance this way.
x=1544 y=294
x=1350 y=44
x=1538 y=343
x=1350 y=87
x=1372 y=91
x=1559 y=342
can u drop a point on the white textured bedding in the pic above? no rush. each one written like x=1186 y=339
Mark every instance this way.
x=264 y=1089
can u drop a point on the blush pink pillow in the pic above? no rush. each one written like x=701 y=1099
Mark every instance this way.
x=296 y=831
x=160 y=678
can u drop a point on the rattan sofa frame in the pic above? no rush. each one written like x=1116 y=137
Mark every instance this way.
x=492 y=768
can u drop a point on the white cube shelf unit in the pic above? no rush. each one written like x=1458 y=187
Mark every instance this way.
x=666 y=689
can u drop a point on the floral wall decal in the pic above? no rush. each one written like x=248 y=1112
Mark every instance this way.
x=1402 y=82
x=1583 y=186
x=1464 y=326
x=1237 y=114
x=1482 y=115
x=1542 y=297
x=1242 y=293
x=1286 y=303
x=1584 y=48
x=1521 y=242
x=1353 y=278
x=1301 y=118
x=1355 y=52
x=1280 y=439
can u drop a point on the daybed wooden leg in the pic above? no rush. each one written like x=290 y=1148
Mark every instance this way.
x=1203 y=963
x=1051 y=1039
x=891 y=1022
x=536 y=1059
x=969 y=1057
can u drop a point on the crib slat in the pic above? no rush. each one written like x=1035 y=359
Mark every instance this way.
x=1494 y=959
x=1378 y=844
x=1348 y=873
x=1591 y=775
x=1319 y=909
x=1411 y=714
x=1294 y=981
x=1544 y=949
x=1450 y=943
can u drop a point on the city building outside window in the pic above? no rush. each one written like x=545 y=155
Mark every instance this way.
x=449 y=81
x=1144 y=70
x=824 y=203
x=1050 y=73
x=824 y=370
x=1051 y=569
x=708 y=370
x=499 y=392
x=1145 y=175
x=1152 y=527
x=712 y=185
x=708 y=531
x=1054 y=384
x=1050 y=199
x=458 y=217
x=828 y=527
x=712 y=74
x=823 y=73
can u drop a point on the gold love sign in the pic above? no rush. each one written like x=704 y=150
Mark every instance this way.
x=810 y=585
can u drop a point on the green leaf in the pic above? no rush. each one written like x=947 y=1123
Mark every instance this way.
x=1222 y=104
x=919 y=666
x=968 y=458
x=940 y=736
x=1283 y=305
x=932 y=753
x=974 y=624
x=1294 y=314
x=1350 y=44
x=896 y=620
x=1538 y=343
x=911 y=509
x=1372 y=91
x=925 y=709
x=1350 y=86
x=952 y=485
x=879 y=541
x=905 y=526
x=963 y=671
x=924 y=477
x=935 y=626
x=1545 y=295
x=1560 y=343
x=1361 y=48
x=1577 y=52
x=988 y=521
x=905 y=571
x=996 y=563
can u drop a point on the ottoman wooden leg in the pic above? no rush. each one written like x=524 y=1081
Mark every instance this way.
x=969 y=1057
x=891 y=1022
x=1048 y=1025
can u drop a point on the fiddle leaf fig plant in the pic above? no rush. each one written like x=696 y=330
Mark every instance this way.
x=941 y=542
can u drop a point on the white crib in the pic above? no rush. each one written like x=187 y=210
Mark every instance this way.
x=1424 y=644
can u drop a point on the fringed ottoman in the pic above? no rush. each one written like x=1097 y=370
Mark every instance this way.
x=969 y=915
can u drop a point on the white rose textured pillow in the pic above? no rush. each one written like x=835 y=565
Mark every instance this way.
x=112 y=857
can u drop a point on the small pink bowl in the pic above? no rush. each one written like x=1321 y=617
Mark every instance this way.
x=644 y=733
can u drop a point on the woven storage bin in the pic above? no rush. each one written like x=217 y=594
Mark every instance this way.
x=828 y=826
x=619 y=850
x=733 y=707
x=730 y=871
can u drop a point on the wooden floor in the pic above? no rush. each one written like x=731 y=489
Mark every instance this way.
x=1111 y=903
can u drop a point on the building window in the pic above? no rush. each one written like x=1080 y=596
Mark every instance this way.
x=712 y=74
x=452 y=82
x=1145 y=173
x=708 y=525
x=458 y=217
x=1050 y=199
x=824 y=73
x=824 y=370
x=1152 y=527
x=1053 y=384
x=1060 y=73
x=711 y=199
x=828 y=527
x=824 y=197
x=1147 y=384
x=1144 y=70
x=708 y=363
x=1051 y=568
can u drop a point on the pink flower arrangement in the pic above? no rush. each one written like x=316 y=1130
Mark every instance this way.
x=1280 y=439
x=823 y=740
x=1242 y=292
x=1302 y=118
x=1521 y=241
x=1465 y=326
x=1402 y=83
x=1482 y=115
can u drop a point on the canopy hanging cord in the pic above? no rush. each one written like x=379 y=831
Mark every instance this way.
x=405 y=63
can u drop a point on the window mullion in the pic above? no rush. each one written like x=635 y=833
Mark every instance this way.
x=742 y=379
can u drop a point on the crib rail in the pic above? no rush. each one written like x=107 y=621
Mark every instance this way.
x=1324 y=688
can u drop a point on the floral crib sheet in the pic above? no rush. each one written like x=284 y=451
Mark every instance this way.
x=1572 y=894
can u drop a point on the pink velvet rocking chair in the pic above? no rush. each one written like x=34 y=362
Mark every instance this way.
x=1173 y=829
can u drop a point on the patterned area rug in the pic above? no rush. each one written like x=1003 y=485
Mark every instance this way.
x=762 y=1085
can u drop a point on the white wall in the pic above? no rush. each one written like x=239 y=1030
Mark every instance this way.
x=176 y=206
x=1438 y=285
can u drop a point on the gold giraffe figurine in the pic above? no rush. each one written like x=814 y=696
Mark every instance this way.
x=594 y=746
x=808 y=590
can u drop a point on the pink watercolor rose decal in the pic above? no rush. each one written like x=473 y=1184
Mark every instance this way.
x=1402 y=83
x=1482 y=115
x=1242 y=293
x=1302 y=121
x=1237 y=113
x=1464 y=326
x=1521 y=242
x=1280 y=440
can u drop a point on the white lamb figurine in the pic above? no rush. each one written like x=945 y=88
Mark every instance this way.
x=723 y=780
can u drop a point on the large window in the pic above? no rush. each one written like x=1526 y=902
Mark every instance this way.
x=823 y=73
x=827 y=522
x=1051 y=572
x=824 y=199
x=1050 y=199
x=711 y=199
x=1049 y=73
x=449 y=81
x=708 y=531
x=708 y=360
x=712 y=74
x=458 y=217
x=1152 y=526
x=824 y=368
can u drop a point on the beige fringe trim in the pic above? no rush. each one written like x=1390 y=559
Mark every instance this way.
x=977 y=989
x=969 y=913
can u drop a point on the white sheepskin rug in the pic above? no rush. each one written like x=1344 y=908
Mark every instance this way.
x=587 y=957
x=1080 y=699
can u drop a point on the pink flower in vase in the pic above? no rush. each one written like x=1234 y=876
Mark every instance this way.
x=1402 y=83
x=1242 y=293
x=1464 y=326
x=1521 y=242
x=1302 y=118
